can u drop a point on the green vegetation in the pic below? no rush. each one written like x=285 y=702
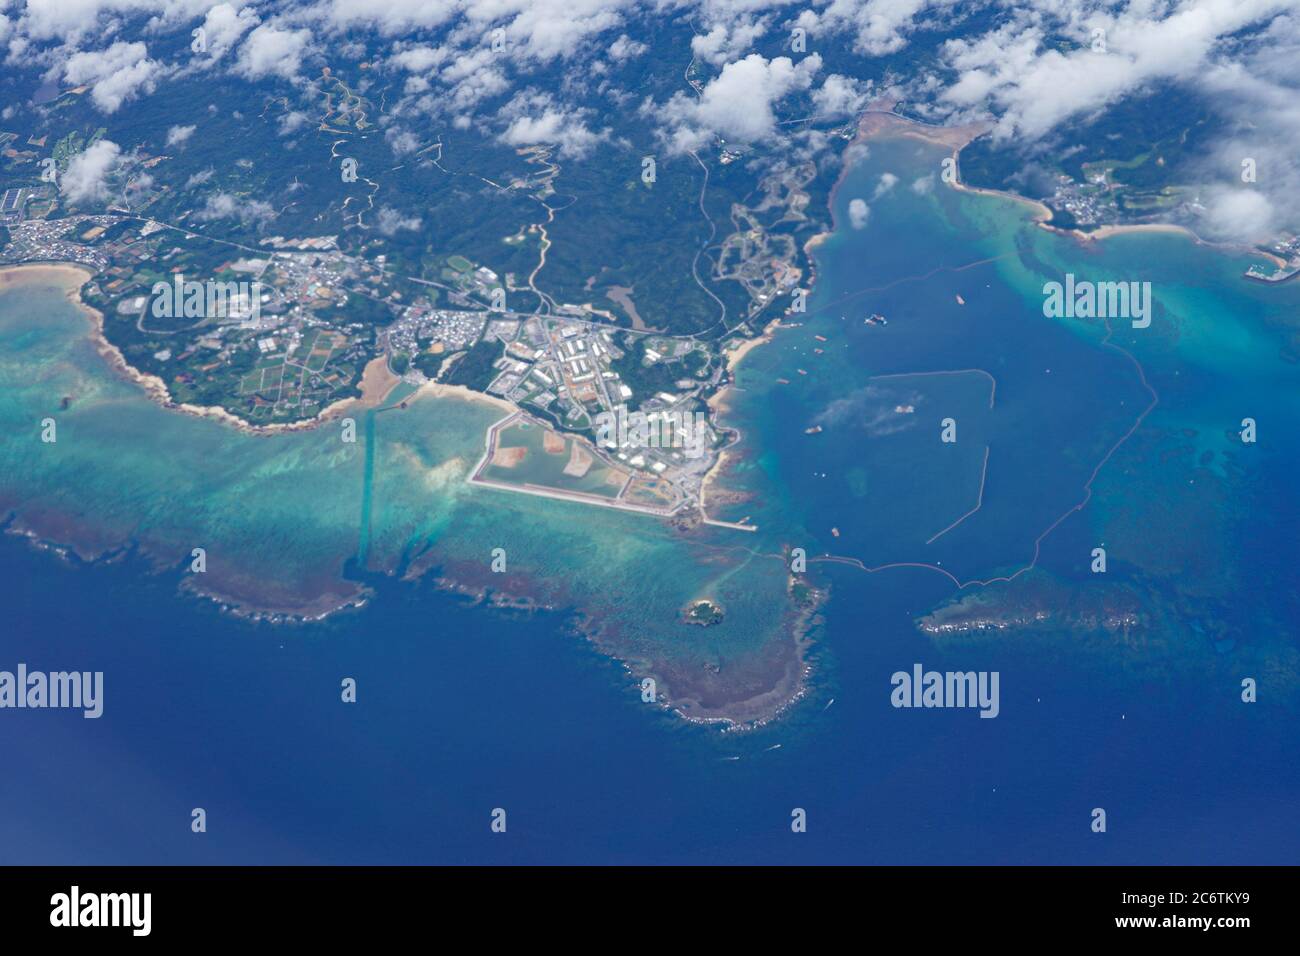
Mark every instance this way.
x=72 y=144
x=703 y=613
x=804 y=594
x=474 y=369
x=646 y=377
x=359 y=308
x=429 y=363
x=1143 y=145
x=461 y=200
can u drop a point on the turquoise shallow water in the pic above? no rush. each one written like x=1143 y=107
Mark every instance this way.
x=281 y=516
x=1064 y=396
x=464 y=708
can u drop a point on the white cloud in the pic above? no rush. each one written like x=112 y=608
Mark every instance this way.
x=549 y=29
x=390 y=221
x=539 y=30
x=401 y=141
x=270 y=51
x=291 y=122
x=85 y=179
x=224 y=25
x=391 y=16
x=1241 y=214
x=471 y=79
x=535 y=118
x=138 y=184
x=1238 y=55
x=727 y=41
x=1015 y=62
x=625 y=48
x=115 y=75
x=1034 y=87
x=878 y=27
x=75 y=19
x=179 y=134
x=738 y=103
x=225 y=206
x=859 y=212
x=840 y=96
x=419 y=59
x=1263 y=84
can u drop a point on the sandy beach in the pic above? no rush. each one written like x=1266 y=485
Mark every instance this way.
x=376 y=382
x=71 y=276
x=879 y=119
x=718 y=406
x=737 y=355
x=1105 y=232
x=1042 y=215
x=465 y=394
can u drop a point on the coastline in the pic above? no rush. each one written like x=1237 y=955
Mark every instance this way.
x=683 y=689
x=153 y=386
x=1042 y=214
x=756 y=688
x=49 y=532
x=736 y=356
x=376 y=384
x=701 y=697
x=340 y=595
x=1122 y=229
x=879 y=119
x=717 y=404
x=1043 y=217
x=465 y=394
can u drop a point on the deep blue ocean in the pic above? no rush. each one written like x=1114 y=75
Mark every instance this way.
x=461 y=711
